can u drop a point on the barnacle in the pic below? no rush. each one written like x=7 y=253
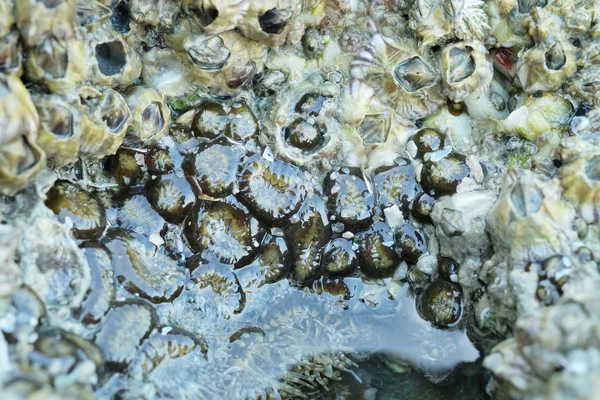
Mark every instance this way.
x=104 y=123
x=437 y=21
x=271 y=21
x=60 y=128
x=58 y=64
x=169 y=195
x=221 y=229
x=299 y=199
x=466 y=69
x=274 y=190
x=217 y=15
x=223 y=62
x=150 y=116
x=351 y=202
x=214 y=167
x=82 y=209
x=339 y=259
x=401 y=77
x=306 y=237
x=38 y=20
x=141 y=268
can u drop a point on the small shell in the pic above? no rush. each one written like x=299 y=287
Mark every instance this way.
x=160 y=14
x=58 y=64
x=60 y=129
x=270 y=21
x=301 y=135
x=547 y=65
x=222 y=62
x=217 y=16
x=38 y=20
x=150 y=116
x=466 y=69
x=402 y=78
x=112 y=62
x=20 y=156
x=104 y=123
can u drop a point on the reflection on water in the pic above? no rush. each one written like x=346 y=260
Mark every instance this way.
x=276 y=340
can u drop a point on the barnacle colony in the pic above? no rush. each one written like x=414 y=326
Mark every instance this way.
x=246 y=199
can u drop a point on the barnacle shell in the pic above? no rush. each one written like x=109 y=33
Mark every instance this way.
x=270 y=21
x=466 y=69
x=287 y=110
x=580 y=180
x=528 y=219
x=217 y=16
x=546 y=66
x=157 y=13
x=58 y=64
x=104 y=123
x=38 y=20
x=400 y=76
x=223 y=62
x=113 y=62
x=151 y=117
x=20 y=156
x=18 y=116
x=11 y=54
x=60 y=128
x=436 y=21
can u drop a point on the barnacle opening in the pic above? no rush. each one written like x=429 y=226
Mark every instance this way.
x=60 y=121
x=120 y=18
x=555 y=57
x=303 y=134
x=50 y=4
x=414 y=74
x=274 y=20
x=205 y=14
x=53 y=58
x=114 y=113
x=525 y=6
x=152 y=117
x=462 y=64
x=592 y=168
x=111 y=57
